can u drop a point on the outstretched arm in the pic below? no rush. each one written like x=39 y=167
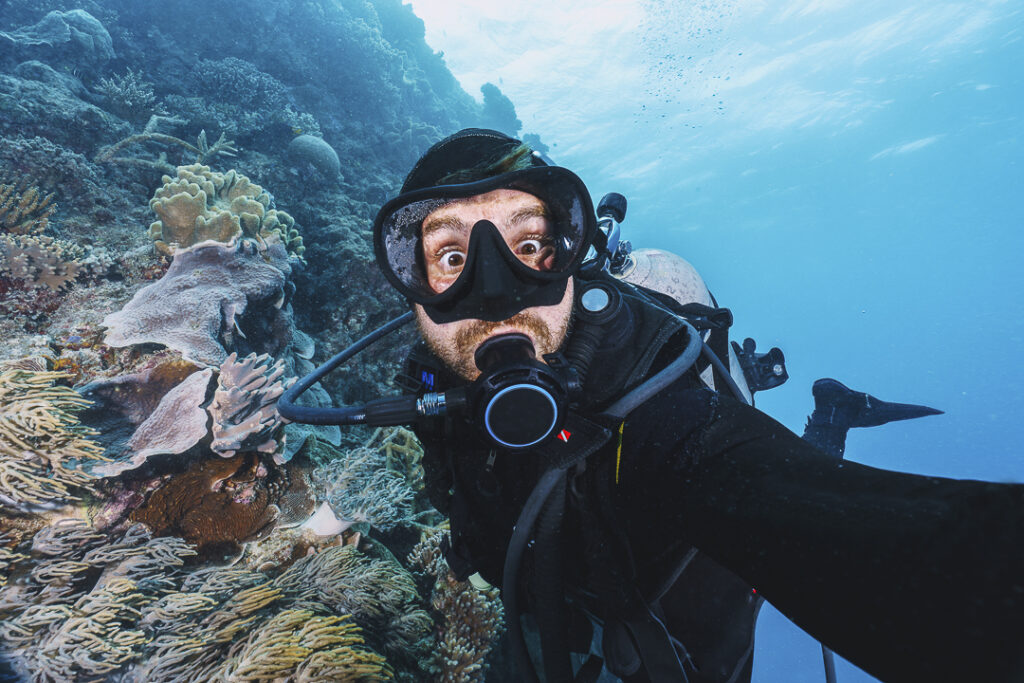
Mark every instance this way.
x=909 y=577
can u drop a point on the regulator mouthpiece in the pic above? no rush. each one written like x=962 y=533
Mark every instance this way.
x=519 y=401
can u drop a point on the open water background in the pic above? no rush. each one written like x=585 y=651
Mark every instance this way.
x=846 y=176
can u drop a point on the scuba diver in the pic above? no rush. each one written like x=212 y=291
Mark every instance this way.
x=629 y=512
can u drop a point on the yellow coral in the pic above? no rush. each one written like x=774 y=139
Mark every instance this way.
x=24 y=213
x=43 y=448
x=201 y=204
x=296 y=645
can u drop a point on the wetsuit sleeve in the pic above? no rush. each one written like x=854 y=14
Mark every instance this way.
x=910 y=577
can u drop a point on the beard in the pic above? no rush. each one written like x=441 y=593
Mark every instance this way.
x=458 y=354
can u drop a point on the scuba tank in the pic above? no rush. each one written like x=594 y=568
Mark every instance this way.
x=672 y=276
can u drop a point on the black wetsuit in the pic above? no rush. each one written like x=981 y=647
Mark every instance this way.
x=910 y=577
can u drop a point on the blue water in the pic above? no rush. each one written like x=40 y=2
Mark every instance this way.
x=846 y=176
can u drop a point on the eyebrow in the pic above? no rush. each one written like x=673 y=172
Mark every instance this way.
x=534 y=211
x=435 y=224
x=432 y=225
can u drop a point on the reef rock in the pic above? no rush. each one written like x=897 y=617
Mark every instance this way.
x=31 y=107
x=197 y=306
x=73 y=37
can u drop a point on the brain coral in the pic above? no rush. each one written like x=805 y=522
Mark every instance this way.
x=201 y=205
x=316 y=152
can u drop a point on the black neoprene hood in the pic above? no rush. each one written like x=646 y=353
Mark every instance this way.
x=469 y=148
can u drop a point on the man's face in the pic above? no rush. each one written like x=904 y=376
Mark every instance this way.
x=522 y=219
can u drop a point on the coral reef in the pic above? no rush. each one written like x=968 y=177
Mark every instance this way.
x=471 y=618
x=217 y=284
x=361 y=488
x=44 y=450
x=244 y=408
x=311 y=85
x=201 y=205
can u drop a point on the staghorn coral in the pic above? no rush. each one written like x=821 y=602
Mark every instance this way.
x=202 y=205
x=244 y=408
x=216 y=285
x=44 y=451
x=26 y=212
x=471 y=618
x=202 y=149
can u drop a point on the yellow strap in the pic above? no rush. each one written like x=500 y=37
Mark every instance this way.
x=618 y=452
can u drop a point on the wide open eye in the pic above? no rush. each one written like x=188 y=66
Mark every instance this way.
x=453 y=260
x=529 y=247
x=536 y=252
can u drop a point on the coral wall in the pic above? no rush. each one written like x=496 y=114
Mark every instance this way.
x=186 y=195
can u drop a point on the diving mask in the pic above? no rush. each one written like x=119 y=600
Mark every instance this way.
x=486 y=270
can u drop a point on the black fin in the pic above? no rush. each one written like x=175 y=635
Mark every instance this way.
x=837 y=404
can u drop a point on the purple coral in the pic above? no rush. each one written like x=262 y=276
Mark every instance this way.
x=196 y=306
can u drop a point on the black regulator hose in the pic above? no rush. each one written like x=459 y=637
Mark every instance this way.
x=552 y=617
x=514 y=558
x=723 y=371
x=386 y=411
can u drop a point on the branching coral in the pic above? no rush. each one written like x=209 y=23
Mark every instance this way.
x=44 y=451
x=244 y=408
x=28 y=259
x=25 y=212
x=129 y=96
x=39 y=261
x=202 y=149
x=202 y=205
x=471 y=619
